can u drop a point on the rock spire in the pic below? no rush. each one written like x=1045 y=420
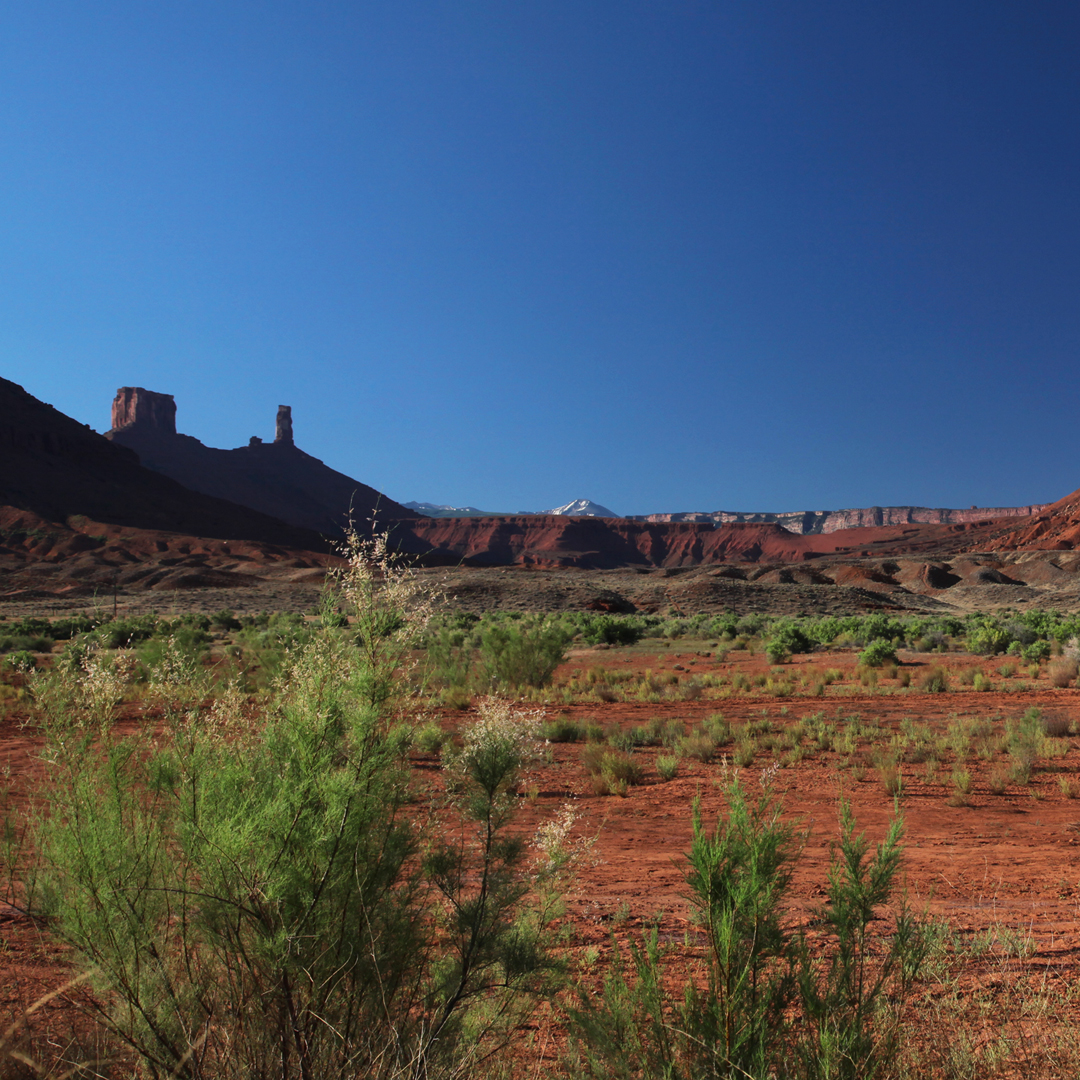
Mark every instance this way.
x=283 y=432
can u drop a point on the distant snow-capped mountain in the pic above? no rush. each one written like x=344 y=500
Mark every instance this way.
x=436 y=510
x=581 y=508
x=577 y=508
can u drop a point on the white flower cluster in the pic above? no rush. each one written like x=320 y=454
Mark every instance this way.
x=102 y=684
x=502 y=727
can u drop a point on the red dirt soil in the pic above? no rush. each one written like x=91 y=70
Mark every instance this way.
x=1006 y=860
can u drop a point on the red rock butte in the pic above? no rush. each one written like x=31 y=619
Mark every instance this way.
x=275 y=478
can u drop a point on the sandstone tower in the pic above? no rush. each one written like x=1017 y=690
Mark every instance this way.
x=144 y=410
x=283 y=433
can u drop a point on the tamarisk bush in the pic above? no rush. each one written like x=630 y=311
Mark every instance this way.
x=251 y=898
x=760 y=1004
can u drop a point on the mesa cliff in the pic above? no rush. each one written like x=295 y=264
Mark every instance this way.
x=816 y=522
x=275 y=478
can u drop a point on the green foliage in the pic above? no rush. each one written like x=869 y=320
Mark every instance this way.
x=610 y=630
x=852 y=1008
x=878 y=653
x=667 y=766
x=252 y=900
x=523 y=656
x=1036 y=652
x=760 y=1003
x=612 y=771
x=561 y=730
x=20 y=660
x=786 y=637
x=225 y=620
x=987 y=638
x=429 y=738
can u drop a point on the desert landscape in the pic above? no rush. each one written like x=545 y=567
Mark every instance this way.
x=628 y=672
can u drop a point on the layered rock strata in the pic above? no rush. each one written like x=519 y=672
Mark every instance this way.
x=815 y=522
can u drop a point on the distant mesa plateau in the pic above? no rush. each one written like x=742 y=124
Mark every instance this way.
x=146 y=511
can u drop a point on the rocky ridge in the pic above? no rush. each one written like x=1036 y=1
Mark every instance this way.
x=275 y=478
x=815 y=522
x=58 y=470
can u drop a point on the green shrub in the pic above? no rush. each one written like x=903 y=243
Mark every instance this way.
x=878 y=653
x=1036 y=652
x=251 y=899
x=516 y=657
x=226 y=620
x=429 y=738
x=761 y=1002
x=561 y=730
x=667 y=766
x=20 y=660
x=611 y=771
x=610 y=630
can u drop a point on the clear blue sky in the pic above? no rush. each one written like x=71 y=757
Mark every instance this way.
x=667 y=255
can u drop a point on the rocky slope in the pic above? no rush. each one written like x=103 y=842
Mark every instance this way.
x=275 y=478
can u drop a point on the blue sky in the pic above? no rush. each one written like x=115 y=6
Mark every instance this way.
x=678 y=255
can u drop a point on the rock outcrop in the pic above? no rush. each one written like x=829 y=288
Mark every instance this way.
x=57 y=468
x=134 y=407
x=275 y=478
x=283 y=427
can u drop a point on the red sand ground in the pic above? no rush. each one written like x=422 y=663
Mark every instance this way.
x=1008 y=860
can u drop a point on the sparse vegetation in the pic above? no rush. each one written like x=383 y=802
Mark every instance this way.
x=275 y=719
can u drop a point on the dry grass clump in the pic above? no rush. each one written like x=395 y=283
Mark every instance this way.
x=935 y=680
x=1062 y=672
x=998 y=781
x=611 y=771
x=1056 y=726
x=1070 y=786
x=892 y=779
x=700 y=746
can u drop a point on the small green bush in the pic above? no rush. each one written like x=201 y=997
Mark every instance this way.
x=519 y=657
x=20 y=660
x=561 y=729
x=610 y=630
x=429 y=738
x=761 y=1001
x=667 y=766
x=878 y=653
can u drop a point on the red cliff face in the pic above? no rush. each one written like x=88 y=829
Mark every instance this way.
x=146 y=410
x=812 y=522
x=1054 y=527
x=598 y=543
x=919 y=515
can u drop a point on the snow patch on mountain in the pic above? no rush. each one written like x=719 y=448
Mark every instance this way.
x=582 y=508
